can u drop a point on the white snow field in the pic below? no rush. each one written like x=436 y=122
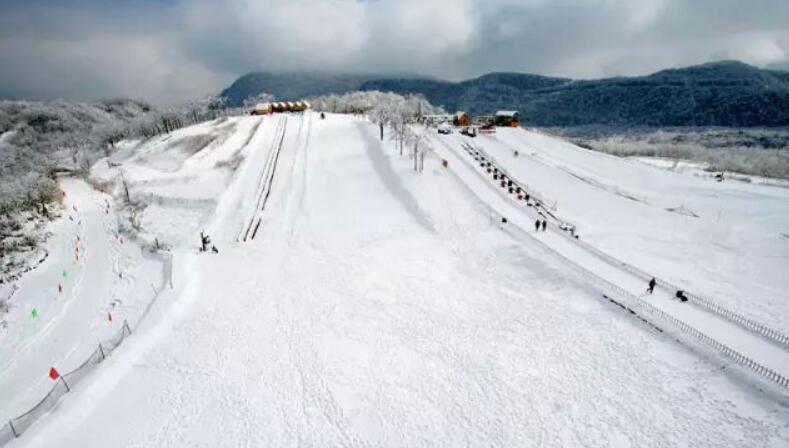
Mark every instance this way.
x=90 y=275
x=724 y=240
x=375 y=306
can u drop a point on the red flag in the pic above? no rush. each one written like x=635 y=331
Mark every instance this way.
x=109 y=316
x=54 y=374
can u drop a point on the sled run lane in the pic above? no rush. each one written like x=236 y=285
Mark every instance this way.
x=462 y=161
x=380 y=307
x=79 y=296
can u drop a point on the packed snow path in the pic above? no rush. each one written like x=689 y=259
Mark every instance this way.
x=767 y=353
x=62 y=309
x=378 y=307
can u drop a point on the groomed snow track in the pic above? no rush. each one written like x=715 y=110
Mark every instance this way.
x=750 y=344
x=252 y=225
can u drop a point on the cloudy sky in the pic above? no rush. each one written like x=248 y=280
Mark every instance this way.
x=167 y=51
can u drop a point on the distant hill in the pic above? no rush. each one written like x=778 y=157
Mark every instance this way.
x=726 y=93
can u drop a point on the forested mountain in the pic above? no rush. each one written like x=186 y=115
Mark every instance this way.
x=727 y=93
x=291 y=86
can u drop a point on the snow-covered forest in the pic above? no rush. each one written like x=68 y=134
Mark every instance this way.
x=39 y=140
x=756 y=152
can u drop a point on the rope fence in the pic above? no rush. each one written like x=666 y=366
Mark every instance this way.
x=18 y=425
x=64 y=384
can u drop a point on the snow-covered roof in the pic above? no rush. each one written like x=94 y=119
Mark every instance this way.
x=507 y=113
x=262 y=106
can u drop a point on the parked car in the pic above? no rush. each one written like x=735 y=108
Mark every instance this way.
x=444 y=129
x=469 y=132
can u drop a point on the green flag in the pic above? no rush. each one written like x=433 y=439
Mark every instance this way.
x=64 y=273
x=34 y=313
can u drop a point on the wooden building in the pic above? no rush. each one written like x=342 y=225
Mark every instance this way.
x=462 y=119
x=270 y=108
x=509 y=118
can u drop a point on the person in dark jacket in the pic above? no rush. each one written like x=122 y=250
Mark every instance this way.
x=204 y=242
x=651 y=287
x=681 y=296
x=537 y=225
x=544 y=224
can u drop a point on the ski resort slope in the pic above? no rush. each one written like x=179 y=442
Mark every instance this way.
x=765 y=352
x=725 y=241
x=62 y=309
x=381 y=307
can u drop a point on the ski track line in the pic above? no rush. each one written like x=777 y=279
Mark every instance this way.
x=244 y=231
x=270 y=182
x=260 y=189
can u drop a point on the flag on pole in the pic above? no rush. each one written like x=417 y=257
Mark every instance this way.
x=34 y=313
x=54 y=374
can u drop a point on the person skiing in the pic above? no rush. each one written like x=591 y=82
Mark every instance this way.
x=537 y=225
x=544 y=224
x=651 y=287
x=681 y=296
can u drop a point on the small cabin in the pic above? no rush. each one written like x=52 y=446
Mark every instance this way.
x=508 y=118
x=461 y=119
x=270 y=108
x=261 y=109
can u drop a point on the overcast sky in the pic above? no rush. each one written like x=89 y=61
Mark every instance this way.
x=167 y=51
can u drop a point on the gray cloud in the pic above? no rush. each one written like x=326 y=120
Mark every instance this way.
x=171 y=50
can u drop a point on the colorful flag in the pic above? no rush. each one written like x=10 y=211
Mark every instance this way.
x=54 y=374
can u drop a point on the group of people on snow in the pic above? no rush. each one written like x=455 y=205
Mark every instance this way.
x=541 y=223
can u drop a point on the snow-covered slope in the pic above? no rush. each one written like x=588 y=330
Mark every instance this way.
x=725 y=240
x=80 y=295
x=380 y=307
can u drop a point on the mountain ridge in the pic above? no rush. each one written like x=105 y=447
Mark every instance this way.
x=722 y=93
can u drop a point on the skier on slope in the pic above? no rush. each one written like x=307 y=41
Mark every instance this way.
x=651 y=286
x=544 y=224
x=537 y=225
